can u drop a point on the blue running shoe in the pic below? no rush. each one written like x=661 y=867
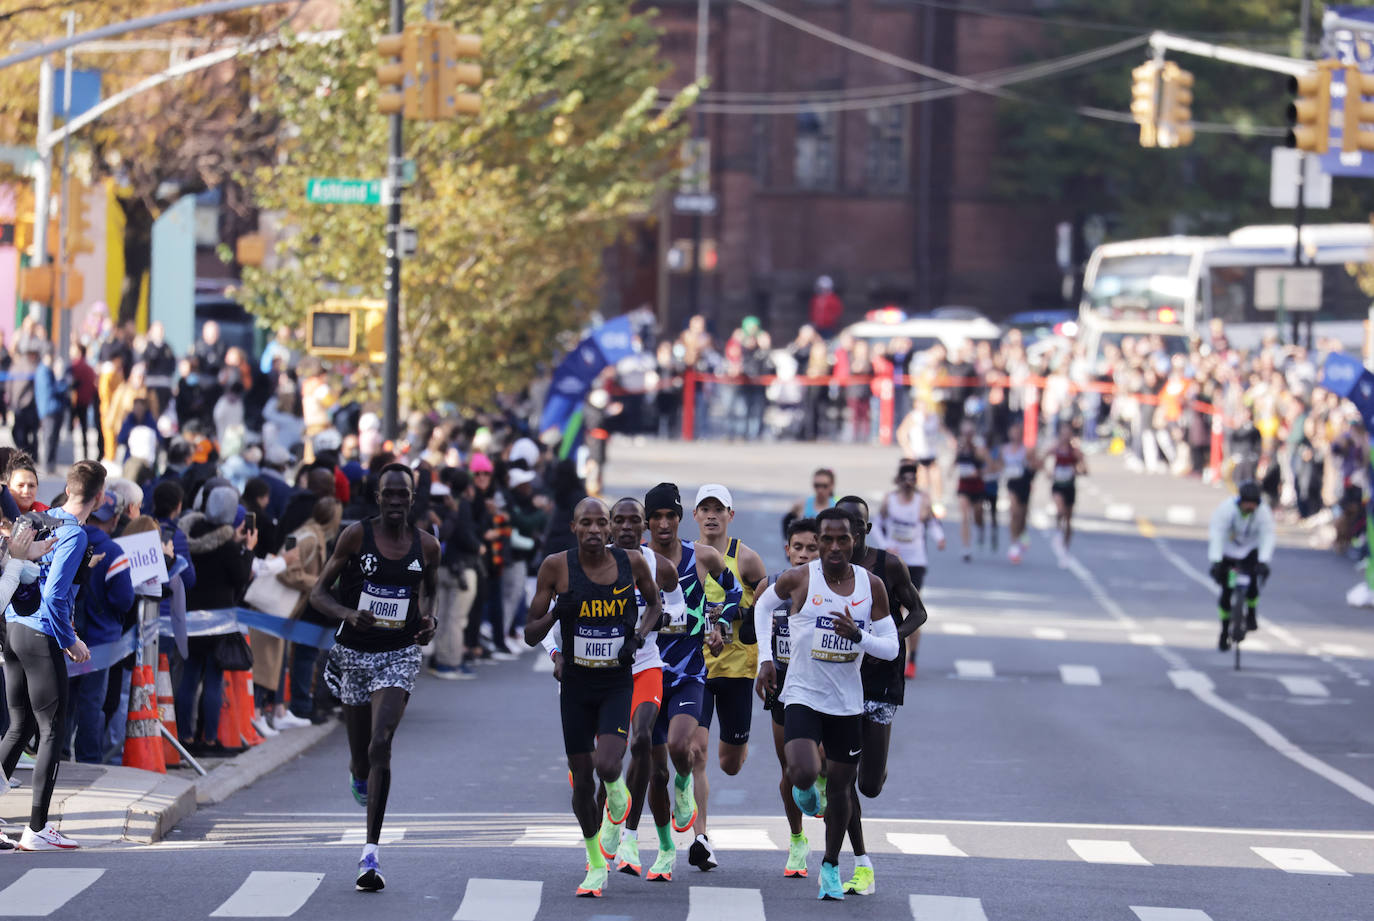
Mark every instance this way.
x=370 y=875
x=808 y=800
x=831 y=890
x=359 y=788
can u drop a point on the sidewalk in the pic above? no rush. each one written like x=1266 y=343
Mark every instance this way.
x=102 y=805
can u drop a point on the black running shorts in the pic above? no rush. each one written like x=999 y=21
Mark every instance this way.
x=589 y=712
x=733 y=699
x=842 y=736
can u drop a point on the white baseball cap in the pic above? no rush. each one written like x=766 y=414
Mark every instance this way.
x=714 y=491
x=520 y=477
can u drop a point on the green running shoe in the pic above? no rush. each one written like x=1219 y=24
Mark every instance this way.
x=684 y=804
x=830 y=883
x=609 y=839
x=820 y=787
x=862 y=882
x=797 y=852
x=662 y=870
x=595 y=882
x=627 y=855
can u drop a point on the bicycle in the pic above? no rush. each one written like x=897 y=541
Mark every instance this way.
x=1239 y=586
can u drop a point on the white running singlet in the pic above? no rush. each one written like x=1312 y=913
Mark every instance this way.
x=823 y=673
x=647 y=655
x=906 y=532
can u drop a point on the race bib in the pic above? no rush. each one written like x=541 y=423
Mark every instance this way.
x=966 y=471
x=903 y=532
x=1063 y=474
x=782 y=640
x=829 y=646
x=675 y=619
x=388 y=604
x=1015 y=471
x=598 y=645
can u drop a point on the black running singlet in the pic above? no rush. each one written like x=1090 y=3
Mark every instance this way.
x=883 y=681
x=389 y=588
x=595 y=619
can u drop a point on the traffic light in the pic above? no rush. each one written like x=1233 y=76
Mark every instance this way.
x=1309 y=114
x=1175 y=107
x=400 y=74
x=250 y=249
x=37 y=283
x=1358 y=111
x=455 y=73
x=1145 y=101
x=330 y=329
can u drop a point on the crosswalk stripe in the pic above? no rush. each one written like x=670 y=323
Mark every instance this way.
x=543 y=662
x=1119 y=511
x=1299 y=860
x=359 y=836
x=927 y=845
x=549 y=836
x=1095 y=850
x=1303 y=686
x=39 y=893
x=269 y=894
x=1147 y=639
x=500 y=900
x=974 y=668
x=959 y=629
x=724 y=904
x=1048 y=633
x=743 y=839
x=1344 y=650
x=946 y=908
x=1080 y=674
x=1253 y=645
x=1170 y=914
x=1180 y=514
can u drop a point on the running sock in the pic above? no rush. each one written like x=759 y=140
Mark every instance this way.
x=1252 y=603
x=369 y=850
x=594 y=858
x=680 y=781
x=1223 y=613
x=797 y=839
x=665 y=838
x=862 y=860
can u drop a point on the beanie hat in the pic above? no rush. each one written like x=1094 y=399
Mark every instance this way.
x=480 y=463
x=664 y=495
x=222 y=505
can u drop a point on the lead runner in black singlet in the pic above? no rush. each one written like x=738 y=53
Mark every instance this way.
x=386 y=573
x=602 y=630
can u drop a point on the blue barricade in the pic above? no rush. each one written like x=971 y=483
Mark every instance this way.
x=107 y=654
x=223 y=621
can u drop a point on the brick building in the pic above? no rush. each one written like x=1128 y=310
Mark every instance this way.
x=895 y=202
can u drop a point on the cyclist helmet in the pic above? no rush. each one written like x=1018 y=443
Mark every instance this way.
x=1249 y=492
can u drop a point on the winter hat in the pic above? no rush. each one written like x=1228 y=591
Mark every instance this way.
x=480 y=463
x=222 y=505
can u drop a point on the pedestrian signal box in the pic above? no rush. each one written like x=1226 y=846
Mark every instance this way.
x=344 y=328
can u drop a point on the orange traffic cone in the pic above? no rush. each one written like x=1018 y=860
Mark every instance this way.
x=243 y=683
x=141 y=749
x=229 y=735
x=166 y=710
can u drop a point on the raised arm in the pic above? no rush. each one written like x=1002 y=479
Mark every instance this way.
x=552 y=572
x=350 y=542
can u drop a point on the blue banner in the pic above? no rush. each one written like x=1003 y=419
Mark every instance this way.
x=223 y=621
x=107 y=654
x=575 y=374
x=1347 y=378
x=1350 y=48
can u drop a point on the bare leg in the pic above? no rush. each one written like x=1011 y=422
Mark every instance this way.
x=641 y=761
x=789 y=805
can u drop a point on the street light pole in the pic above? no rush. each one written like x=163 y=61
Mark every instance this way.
x=702 y=65
x=1300 y=212
x=395 y=154
x=42 y=180
x=64 y=316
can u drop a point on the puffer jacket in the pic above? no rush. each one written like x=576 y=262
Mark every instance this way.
x=224 y=567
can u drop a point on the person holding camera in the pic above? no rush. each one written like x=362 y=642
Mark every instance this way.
x=38 y=642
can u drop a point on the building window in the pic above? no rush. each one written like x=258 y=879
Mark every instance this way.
x=885 y=161
x=815 y=150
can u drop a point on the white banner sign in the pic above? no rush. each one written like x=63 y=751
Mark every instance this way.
x=146 y=562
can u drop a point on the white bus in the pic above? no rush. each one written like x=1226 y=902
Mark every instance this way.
x=1173 y=286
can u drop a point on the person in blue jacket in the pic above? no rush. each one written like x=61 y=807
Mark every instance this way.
x=103 y=602
x=38 y=643
x=51 y=398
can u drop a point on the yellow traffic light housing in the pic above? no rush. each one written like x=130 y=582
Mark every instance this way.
x=399 y=77
x=1145 y=101
x=1309 y=114
x=1358 y=111
x=1175 y=107
x=250 y=249
x=37 y=283
x=350 y=329
x=455 y=73
x=79 y=237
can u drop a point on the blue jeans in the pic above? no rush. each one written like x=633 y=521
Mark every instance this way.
x=303 y=659
x=86 y=714
x=200 y=669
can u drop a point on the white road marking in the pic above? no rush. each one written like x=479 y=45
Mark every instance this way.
x=39 y=893
x=743 y=839
x=1180 y=514
x=927 y=845
x=1119 y=511
x=960 y=629
x=946 y=908
x=269 y=894
x=1147 y=639
x=1302 y=686
x=1080 y=674
x=1170 y=914
x=550 y=836
x=724 y=904
x=1187 y=679
x=1299 y=860
x=1048 y=633
x=1344 y=650
x=1253 y=645
x=359 y=836
x=974 y=668
x=1096 y=850
x=500 y=900
x=543 y=662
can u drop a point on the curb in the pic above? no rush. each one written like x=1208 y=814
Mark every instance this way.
x=229 y=778
x=153 y=815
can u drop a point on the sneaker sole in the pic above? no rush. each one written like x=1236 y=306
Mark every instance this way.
x=629 y=868
x=376 y=884
x=660 y=877
x=869 y=891
x=629 y=801
x=794 y=874
x=588 y=893
x=690 y=822
x=827 y=897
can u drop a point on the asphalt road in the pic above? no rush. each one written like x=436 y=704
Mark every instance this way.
x=1073 y=747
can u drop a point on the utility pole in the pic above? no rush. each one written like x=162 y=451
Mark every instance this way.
x=42 y=180
x=60 y=307
x=702 y=64
x=1305 y=14
x=392 y=186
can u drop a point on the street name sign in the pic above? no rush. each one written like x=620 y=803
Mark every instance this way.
x=326 y=191
x=694 y=203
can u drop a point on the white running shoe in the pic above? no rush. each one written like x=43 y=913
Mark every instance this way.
x=49 y=839
x=289 y=720
x=7 y=843
x=264 y=729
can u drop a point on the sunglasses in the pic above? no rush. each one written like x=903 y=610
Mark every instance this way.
x=822 y=485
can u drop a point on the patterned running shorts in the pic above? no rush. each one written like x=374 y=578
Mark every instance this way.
x=879 y=712
x=353 y=676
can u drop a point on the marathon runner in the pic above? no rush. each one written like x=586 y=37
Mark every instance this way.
x=801 y=548
x=387 y=573
x=970 y=461
x=839 y=614
x=686 y=626
x=730 y=672
x=904 y=517
x=592 y=583
x=822 y=496
x=1067 y=465
x=1019 y=465
x=883 y=681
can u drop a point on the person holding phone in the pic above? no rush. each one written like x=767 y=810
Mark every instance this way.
x=37 y=646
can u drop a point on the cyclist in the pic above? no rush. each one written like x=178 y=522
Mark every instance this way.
x=1241 y=538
